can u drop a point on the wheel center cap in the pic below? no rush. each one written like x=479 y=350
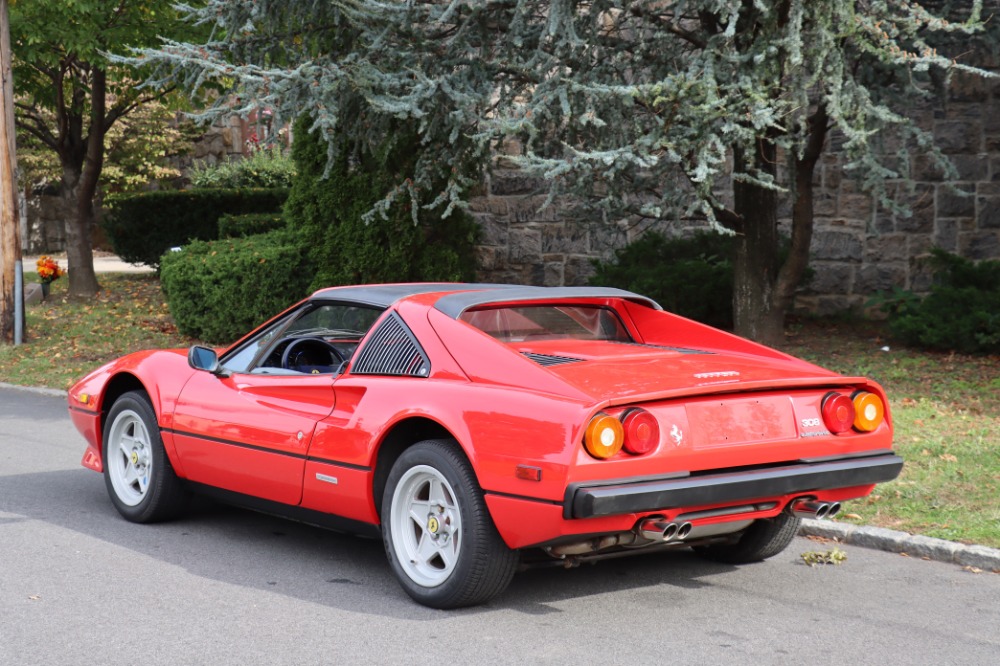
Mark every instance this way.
x=433 y=525
x=135 y=457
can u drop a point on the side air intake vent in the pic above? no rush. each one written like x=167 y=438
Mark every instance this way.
x=547 y=359
x=392 y=350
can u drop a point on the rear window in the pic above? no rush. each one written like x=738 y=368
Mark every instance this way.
x=549 y=322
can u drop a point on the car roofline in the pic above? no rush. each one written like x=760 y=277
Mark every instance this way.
x=455 y=304
x=461 y=296
x=384 y=295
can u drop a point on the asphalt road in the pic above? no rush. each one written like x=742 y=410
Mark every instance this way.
x=79 y=585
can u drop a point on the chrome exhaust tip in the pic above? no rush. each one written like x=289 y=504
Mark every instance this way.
x=684 y=530
x=834 y=509
x=657 y=529
x=809 y=508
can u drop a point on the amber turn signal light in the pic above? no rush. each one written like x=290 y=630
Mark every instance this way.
x=604 y=436
x=869 y=411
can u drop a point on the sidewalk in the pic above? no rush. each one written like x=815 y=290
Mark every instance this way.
x=103 y=263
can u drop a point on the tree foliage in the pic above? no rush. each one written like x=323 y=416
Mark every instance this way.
x=638 y=107
x=69 y=97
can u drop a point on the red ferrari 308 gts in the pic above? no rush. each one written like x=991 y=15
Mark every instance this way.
x=478 y=427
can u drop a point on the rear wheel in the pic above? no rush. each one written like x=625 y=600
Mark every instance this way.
x=763 y=539
x=439 y=537
x=140 y=480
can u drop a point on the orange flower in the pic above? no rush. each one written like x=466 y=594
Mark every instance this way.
x=48 y=269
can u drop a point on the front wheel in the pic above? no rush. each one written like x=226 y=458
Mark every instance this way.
x=140 y=480
x=763 y=539
x=439 y=537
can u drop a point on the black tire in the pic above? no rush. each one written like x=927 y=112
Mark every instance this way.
x=458 y=528
x=141 y=482
x=763 y=539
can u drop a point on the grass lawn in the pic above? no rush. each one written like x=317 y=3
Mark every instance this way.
x=946 y=412
x=946 y=407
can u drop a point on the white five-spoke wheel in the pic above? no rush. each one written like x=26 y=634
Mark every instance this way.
x=426 y=526
x=140 y=479
x=441 y=543
x=130 y=460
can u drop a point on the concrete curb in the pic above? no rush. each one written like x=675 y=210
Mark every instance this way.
x=56 y=393
x=940 y=550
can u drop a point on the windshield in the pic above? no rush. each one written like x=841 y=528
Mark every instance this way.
x=549 y=322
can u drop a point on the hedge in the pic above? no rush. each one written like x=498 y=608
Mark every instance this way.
x=219 y=290
x=241 y=226
x=141 y=227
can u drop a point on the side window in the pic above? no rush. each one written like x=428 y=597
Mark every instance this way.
x=239 y=360
x=317 y=341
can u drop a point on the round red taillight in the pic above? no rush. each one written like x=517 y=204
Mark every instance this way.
x=642 y=432
x=838 y=412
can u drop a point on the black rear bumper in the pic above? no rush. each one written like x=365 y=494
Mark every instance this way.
x=589 y=500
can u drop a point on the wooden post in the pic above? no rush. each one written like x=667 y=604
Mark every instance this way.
x=10 y=233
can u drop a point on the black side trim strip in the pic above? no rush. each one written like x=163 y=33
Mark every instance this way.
x=264 y=449
x=608 y=500
x=359 y=468
x=84 y=411
x=523 y=497
x=309 y=516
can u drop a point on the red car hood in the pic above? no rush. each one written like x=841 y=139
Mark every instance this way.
x=620 y=373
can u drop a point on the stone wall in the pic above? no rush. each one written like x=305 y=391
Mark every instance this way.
x=857 y=248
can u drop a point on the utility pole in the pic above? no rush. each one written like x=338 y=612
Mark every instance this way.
x=11 y=289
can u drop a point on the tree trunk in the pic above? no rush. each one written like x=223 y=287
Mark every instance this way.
x=795 y=265
x=79 y=189
x=79 y=253
x=755 y=266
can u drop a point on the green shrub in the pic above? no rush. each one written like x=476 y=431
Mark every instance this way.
x=692 y=277
x=961 y=313
x=266 y=168
x=343 y=247
x=219 y=290
x=250 y=224
x=141 y=227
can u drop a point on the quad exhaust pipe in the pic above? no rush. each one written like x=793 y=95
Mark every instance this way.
x=657 y=529
x=805 y=507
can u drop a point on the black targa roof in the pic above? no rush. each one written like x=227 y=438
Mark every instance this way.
x=470 y=294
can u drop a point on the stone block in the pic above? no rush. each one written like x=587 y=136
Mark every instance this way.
x=921 y=275
x=525 y=210
x=885 y=247
x=824 y=204
x=979 y=245
x=879 y=277
x=577 y=270
x=855 y=206
x=568 y=238
x=958 y=136
x=505 y=182
x=606 y=238
x=957 y=201
x=525 y=245
x=988 y=212
x=946 y=234
x=487 y=204
x=831 y=278
x=836 y=246
x=995 y=165
x=492 y=229
x=921 y=211
x=490 y=258
x=553 y=274
x=971 y=167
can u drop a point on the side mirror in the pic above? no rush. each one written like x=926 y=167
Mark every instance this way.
x=203 y=358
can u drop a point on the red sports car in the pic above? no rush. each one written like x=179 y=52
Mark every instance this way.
x=480 y=427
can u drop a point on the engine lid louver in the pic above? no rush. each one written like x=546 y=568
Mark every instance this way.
x=549 y=359
x=392 y=350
